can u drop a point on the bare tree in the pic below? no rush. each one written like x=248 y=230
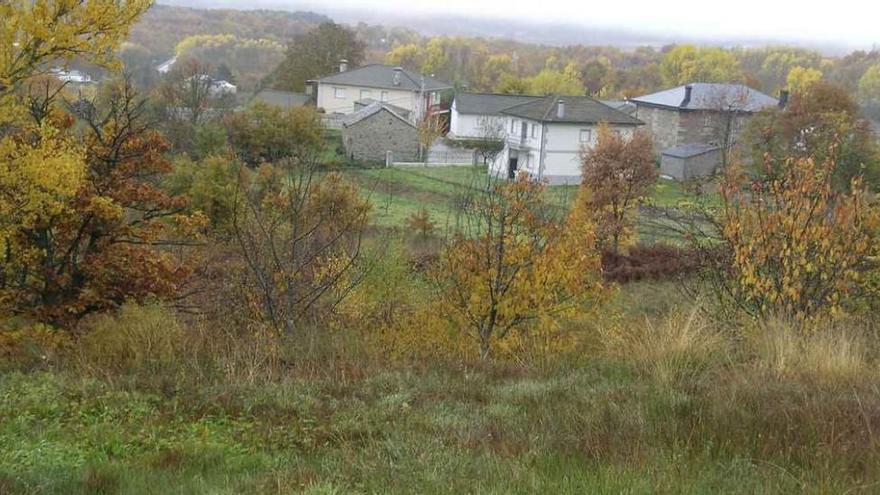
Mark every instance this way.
x=188 y=91
x=725 y=118
x=429 y=129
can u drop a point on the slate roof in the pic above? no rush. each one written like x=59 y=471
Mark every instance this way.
x=710 y=96
x=488 y=103
x=369 y=101
x=578 y=110
x=369 y=111
x=382 y=76
x=283 y=99
x=689 y=150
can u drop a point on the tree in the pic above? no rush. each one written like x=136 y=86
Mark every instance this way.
x=869 y=85
x=798 y=248
x=429 y=130
x=315 y=54
x=266 y=133
x=515 y=265
x=188 y=93
x=103 y=245
x=549 y=81
x=801 y=79
x=617 y=173
x=824 y=124
x=408 y=56
x=687 y=63
x=297 y=231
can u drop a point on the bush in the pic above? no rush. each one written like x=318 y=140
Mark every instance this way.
x=657 y=262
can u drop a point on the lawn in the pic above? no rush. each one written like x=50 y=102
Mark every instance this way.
x=398 y=192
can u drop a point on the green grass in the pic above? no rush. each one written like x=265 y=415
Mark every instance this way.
x=399 y=192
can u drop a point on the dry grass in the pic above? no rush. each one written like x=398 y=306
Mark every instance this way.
x=682 y=346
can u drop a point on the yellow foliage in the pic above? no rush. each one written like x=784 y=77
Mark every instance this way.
x=798 y=247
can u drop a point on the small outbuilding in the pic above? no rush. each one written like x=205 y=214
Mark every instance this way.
x=377 y=129
x=690 y=161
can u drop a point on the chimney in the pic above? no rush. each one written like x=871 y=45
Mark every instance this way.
x=688 y=91
x=343 y=65
x=783 y=98
x=396 y=77
x=560 y=108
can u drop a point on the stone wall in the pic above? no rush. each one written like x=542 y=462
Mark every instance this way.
x=670 y=127
x=372 y=137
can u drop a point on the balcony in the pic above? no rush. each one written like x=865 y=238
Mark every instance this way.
x=518 y=142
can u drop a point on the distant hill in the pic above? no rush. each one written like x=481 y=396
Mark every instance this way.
x=163 y=26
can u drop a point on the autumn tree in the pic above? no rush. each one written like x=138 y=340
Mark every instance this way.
x=798 y=246
x=687 y=63
x=429 y=130
x=617 y=173
x=297 y=232
x=188 y=92
x=266 y=133
x=824 y=124
x=801 y=79
x=315 y=54
x=514 y=265
x=108 y=242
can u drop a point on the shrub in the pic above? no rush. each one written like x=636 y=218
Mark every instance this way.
x=656 y=262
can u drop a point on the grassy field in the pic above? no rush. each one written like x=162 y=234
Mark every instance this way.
x=398 y=192
x=671 y=406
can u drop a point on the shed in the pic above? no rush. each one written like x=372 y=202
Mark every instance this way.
x=689 y=161
x=377 y=129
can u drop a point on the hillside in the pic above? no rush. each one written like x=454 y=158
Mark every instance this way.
x=163 y=26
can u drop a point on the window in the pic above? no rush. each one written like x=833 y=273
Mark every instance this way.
x=586 y=135
x=534 y=130
x=384 y=96
x=435 y=98
x=513 y=126
x=366 y=93
x=339 y=92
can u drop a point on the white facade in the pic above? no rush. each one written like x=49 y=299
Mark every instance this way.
x=341 y=98
x=473 y=126
x=73 y=76
x=547 y=150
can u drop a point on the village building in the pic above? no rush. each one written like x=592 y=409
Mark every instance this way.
x=704 y=113
x=379 y=133
x=544 y=137
x=418 y=94
x=478 y=115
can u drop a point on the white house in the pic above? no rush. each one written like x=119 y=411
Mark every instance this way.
x=338 y=93
x=73 y=76
x=220 y=87
x=544 y=137
x=478 y=115
x=166 y=66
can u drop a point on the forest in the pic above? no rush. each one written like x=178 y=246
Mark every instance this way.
x=199 y=296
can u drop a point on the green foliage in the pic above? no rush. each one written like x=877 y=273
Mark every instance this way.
x=315 y=54
x=210 y=187
x=266 y=133
x=687 y=63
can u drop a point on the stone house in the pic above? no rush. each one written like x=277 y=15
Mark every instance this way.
x=706 y=113
x=377 y=129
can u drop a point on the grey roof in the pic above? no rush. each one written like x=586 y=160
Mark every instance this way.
x=365 y=102
x=624 y=106
x=369 y=111
x=689 y=150
x=382 y=76
x=578 y=109
x=283 y=99
x=488 y=103
x=710 y=96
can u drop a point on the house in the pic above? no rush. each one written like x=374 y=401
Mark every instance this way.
x=545 y=136
x=221 y=87
x=707 y=113
x=690 y=161
x=377 y=130
x=417 y=94
x=166 y=66
x=73 y=76
x=478 y=115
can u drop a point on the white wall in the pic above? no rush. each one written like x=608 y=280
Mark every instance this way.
x=408 y=100
x=471 y=126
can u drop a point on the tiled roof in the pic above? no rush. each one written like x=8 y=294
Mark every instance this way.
x=487 y=103
x=710 y=96
x=577 y=109
x=382 y=76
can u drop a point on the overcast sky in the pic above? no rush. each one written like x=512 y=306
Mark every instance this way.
x=855 y=22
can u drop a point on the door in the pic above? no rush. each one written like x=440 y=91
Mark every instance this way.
x=511 y=168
